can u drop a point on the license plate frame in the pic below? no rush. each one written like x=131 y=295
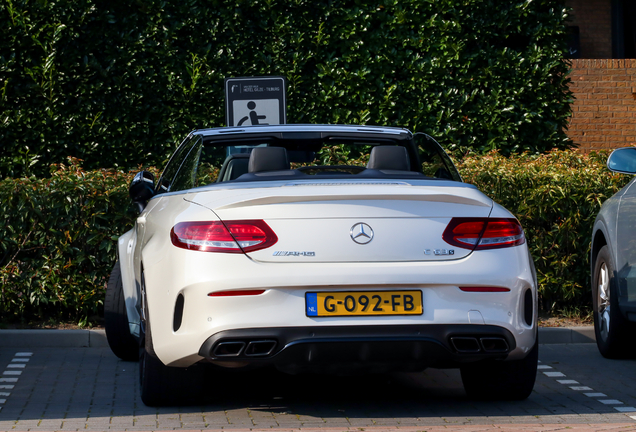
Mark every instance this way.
x=325 y=304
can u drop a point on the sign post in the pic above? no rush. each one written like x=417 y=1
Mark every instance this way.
x=254 y=101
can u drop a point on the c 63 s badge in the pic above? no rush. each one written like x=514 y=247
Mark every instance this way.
x=294 y=253
x=439 y=252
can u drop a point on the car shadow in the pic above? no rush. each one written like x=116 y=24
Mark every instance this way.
x=106 y=390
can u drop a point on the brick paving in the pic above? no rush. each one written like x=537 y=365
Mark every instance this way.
x=90 y=389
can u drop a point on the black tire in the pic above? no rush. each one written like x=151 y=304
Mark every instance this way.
x=121 y=342
x=501 y=380
x=163 y=385
x=612 y=330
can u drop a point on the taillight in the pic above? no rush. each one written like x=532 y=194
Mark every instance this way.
x=232 y=293
x=483 y=289
x=229 y=236
x=484 y=233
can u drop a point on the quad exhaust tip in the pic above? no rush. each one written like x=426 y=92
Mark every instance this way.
x=494 y=344
x=466 y=345
x=257 y=348
x=229 y=349
x=260 y=348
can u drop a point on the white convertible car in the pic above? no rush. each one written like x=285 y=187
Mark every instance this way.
x=257 y=247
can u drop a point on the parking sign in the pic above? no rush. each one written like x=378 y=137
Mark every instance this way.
x=251 y=101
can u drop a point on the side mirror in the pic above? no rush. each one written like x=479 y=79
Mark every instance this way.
x=142 y=188
x=623 y=160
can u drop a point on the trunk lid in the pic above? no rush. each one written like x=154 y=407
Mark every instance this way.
x=341 y=222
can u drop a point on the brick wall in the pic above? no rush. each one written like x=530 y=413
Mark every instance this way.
x=604 y=109
x=594 y=19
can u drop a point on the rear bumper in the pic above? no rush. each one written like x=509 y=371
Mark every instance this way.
x=368 y=348
x=283 y=302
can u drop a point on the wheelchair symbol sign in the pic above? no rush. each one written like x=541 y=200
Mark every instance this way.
x=256 y=112
x=252 y=101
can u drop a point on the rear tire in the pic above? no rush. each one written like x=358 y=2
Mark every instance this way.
x=502 y=380
x=121 y=342
x=612 y=330
x=163 y=385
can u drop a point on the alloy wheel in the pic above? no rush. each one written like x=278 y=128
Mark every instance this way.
x=603 y=301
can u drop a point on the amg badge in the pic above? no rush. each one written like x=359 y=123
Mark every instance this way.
x=294 y=253
x=439 y=251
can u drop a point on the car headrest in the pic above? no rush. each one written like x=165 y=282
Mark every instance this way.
x=268 y=159
x=389 y=158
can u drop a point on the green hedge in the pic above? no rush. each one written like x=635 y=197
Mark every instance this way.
x=57 y=242
x=118 y=83
x=57 y=239
x=556 y=197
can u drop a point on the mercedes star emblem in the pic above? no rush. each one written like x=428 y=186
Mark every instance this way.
x=361 y=233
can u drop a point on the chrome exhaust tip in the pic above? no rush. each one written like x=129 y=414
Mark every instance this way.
x=260 y=348
x=229 y=349
x=465 y=344
x=494 y=344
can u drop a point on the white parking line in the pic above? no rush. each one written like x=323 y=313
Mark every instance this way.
x=610 y=402
x=8 y=380
x=592 y=394
x=18 y=362
x=567 y=382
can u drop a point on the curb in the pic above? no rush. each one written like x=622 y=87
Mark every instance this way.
x=565 y=335
x=44 y=338
x=97 y=338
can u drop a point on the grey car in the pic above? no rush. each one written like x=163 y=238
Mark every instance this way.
x=613 y=256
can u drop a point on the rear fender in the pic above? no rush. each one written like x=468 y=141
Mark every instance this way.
x=125 y=249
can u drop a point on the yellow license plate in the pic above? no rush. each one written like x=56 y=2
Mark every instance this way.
x=362 y=303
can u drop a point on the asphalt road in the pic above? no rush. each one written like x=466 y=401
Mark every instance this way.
x=90 y=389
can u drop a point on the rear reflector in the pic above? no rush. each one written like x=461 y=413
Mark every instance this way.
x=235 y=293
x=484 y=233
x=228 y=236
x=484 y=289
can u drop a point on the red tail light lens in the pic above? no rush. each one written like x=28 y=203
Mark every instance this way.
x=228 y=236
x=484 y=289
x=484 y=233
x=236 y=293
